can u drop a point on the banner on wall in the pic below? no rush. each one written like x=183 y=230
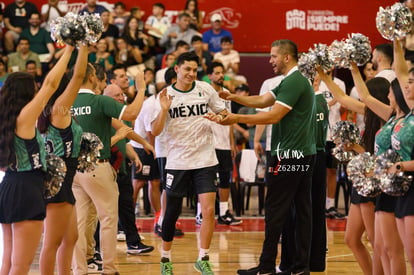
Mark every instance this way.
x=255 y=24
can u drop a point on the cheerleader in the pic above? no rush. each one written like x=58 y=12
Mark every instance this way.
x=62 y=135
x=22 y=153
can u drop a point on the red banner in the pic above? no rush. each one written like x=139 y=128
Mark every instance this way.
x=256 y=24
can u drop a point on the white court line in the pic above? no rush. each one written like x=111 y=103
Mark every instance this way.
x=337 y=256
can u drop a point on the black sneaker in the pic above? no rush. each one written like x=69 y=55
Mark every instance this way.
x=178 y=232
x=157 y=229
x=332 y=213
x=228 y=219
x=97 y=257
x=254 y=271
x=139 y=249
x=94 y=267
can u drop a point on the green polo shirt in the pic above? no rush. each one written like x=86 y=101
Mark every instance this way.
x=39 y=41
x=94 y=114
x=322 y=122
x=294 y=135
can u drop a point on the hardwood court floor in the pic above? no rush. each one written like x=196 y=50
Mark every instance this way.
x=233 y=247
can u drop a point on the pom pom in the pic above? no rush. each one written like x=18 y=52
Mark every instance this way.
x=360 y=48
x=89 y=152
x=341 y=154
x=68 y=29
x=343 y=133
x=318 y=55
x=73 y=29
x=93 y=26
x=306 y=65
x=358 y=170
x=391 y=184
x=339 y=53
x=356 y=48
x=394 y=22
x=55 y=175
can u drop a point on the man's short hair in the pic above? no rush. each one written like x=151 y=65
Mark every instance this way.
x=111 y=73
x=99 y=71
x=242 y=87
x=160 y=5
x=119 y=4
x=387 y=50
x=28 y=62
x=170 y=74
x=196 y=38
x=213 y=65
x=226 y=39
x=89 y=71
x=181 y=43
x=23 y=39
x=287 y=46
x=188 y=56
x=184 y=14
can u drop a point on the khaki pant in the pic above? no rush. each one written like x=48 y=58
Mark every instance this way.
x=97 y=188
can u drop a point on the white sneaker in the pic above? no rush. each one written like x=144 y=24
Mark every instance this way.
x=199 y=220
x=120 y=237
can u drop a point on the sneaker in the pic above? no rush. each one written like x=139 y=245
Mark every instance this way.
x=94 y=267
x=229 y=219
x=199 y=220
x=254 y=271
x=204 y=266
x=139 y=249
x=97 y=257
x=332 y=213
x=157 y=229
x=178 y=232
x=166 y=267
x=120 y=237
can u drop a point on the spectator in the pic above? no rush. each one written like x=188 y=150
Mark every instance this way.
x=230 y=59
x=180 y=47
x=119 y=16
x=157 y=23
x=118 y=76
x=110 y=32
x=31 y=69
x=196 y=17
x=3 y=72
x=212 y=37
x=39 y=39
x=92 y=8
x=102 y=55
x=52 y=10
x=177 y=32
x=128 y=56
x=137 y=38
x=160 y=74
x=137 y=13
x=17 y=60
x=16 y=18
x=205 y=57
x=149 y=77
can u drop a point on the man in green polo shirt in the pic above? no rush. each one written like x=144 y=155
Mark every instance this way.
x=94 y=113
x=292 y=155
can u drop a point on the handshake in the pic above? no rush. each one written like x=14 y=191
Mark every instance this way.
x=223 y=118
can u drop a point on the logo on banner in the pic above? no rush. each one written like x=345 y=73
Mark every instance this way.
x=230 y=17
x=314 y=20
